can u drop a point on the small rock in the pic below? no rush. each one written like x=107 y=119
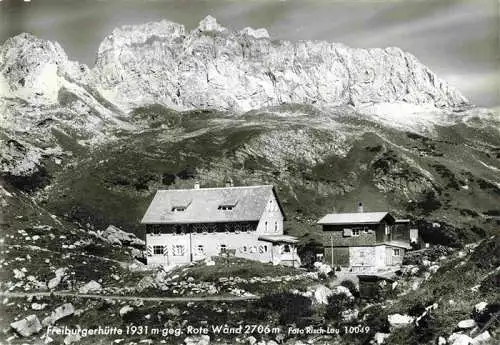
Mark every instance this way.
x=398 y=320
x=91 y=286
x=60 y=312
x=321 y=294
x=380 y=337
x=465 y=324
x=251 y=340
x=38 y=306
x=481 y=338
x=28 y=326
x=434 y=268
x=72 y=338
x=54 y=282
x=125 y=310
x=342 y=290
x=459 y=339
x=18 y=274
x=441 y=341
x=480 y=307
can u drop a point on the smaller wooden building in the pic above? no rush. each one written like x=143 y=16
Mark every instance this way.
x=364 y=241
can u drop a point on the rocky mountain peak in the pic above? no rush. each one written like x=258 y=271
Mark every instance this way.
x=209 y=23
x=214 y=67
x=29 y=68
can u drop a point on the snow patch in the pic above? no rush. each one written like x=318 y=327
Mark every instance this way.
x=421 y=118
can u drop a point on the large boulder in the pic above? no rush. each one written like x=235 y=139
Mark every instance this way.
x=478 y=308
x=321 y=294
x=148 y=282
x=459 y=339
x=398 y=320
x=60 y=312
x=466 y=324
x=481 y=338
x=125 y=310
x=60 y=274
x=91 y=286
x=28 y=326
x=115 y=235
x=342 y=290
x=379 y=338
x=322 y=268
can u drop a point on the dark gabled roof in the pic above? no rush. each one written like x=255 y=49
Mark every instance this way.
x=203 y=205
x=355 y=218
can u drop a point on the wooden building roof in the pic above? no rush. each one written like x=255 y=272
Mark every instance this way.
x=356 y=218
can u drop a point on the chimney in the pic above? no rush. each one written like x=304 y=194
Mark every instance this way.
x=360 y=207
x=196 y=185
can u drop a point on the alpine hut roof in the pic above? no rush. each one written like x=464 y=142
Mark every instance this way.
x=355 y=218
x=209 y=205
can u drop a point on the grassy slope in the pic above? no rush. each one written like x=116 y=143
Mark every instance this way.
x=412 y=175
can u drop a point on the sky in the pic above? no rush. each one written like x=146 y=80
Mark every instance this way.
x=457 y=39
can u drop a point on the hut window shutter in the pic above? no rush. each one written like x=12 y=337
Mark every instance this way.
x=347 y=232
x=150 y=250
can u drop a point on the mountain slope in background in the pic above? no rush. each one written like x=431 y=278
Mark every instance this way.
x=328 y=124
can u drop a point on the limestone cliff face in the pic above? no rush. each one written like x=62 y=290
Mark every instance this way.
x=212 y=67
x=33 y=69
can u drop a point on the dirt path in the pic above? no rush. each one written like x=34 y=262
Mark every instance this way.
x=129 y=298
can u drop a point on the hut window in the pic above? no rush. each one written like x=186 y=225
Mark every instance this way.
x=178 y=250
x=178 y=209
x=275 y=226
x=225 y=207
x=286 y=248
x=266 y=226
x=158 y=250
x=347 y=232
x=223 y=248
x=397 y=252
x=387 y=229
x=201 y=249
x=356 y=231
